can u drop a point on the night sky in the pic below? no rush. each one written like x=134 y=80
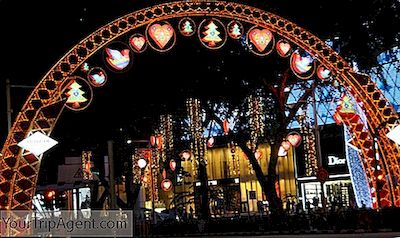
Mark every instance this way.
x=35 y=34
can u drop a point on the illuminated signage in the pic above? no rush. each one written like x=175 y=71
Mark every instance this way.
x=37 y=143
x=334 y=160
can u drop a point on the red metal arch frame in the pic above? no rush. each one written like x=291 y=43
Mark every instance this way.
x=19 y=168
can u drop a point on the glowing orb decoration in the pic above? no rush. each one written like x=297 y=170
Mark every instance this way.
x=153 y=140
x=294 y=138
x=212 y=33
x=172 y=165
x=258 y=154
x=142 y=163
x=226 y=127
x=166 y=185
x=283 y=48
x=164 y=174
x=286 y=145
x=78 y=92
x=282 y=152
x=97 y=77
x=210 y=142
x=302 y=64
x=186 y=26
x=186 y=155
x=161 y=36
x=235 y=29
x=261 y=41
x=138 y=43
x=37 y=143
x=323 y=73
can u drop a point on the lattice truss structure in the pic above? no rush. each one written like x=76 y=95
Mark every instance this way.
x=19 y=168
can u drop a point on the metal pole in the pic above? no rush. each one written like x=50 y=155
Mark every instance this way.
x=111 y=174
x=318 y=146
x=9 y=110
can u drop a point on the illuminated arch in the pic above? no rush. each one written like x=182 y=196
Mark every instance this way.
x=19 y=168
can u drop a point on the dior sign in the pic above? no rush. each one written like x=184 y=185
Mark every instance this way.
x=334 y=160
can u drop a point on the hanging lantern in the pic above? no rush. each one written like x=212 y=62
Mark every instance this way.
x=186 y=154
x=294 y=138
x=172 y=165
x=282 y=152
x=164 y=174
x=210 y=142
x=286 y=145
x=166 y=185
x=152 y=140
x=226 y=127
x=258 y=154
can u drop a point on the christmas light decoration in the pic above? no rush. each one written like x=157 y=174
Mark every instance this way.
x=161 y=36
x=235 y=29
x=302 y=64
x=187 y=27
x=225 y=124
x=117 y=59
x=210 y=142
x=212 y=33
x=97 y=77
x=172 y=165
x=138 y=43
x=87 y=165
x=283 y=48
x=166 y=185
x=261 y=40
x=323 y=73
x=294 y=138
x=310 y=155
x=186 y=155
x=256 y=111
x=153 y=140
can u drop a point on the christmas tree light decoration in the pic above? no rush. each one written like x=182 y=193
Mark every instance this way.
x=161 y=36
x=187 y=27
x=235 y=29
x=85 y=67
x=261 y=40
x=97 y=77
x=78 y=93
x=283 y=48
x=346 y=110
x=212 y=33
x=138 y=43
x=294 y=138
x=323 y=73
x=302 y=64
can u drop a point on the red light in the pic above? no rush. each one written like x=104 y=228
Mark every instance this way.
x=50 y=194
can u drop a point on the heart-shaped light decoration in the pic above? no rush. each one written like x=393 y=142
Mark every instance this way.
x=161 y=34
x=323 y=73
x=172 y=165
x=138 y=42
x=210 y=142
x=294 y=139
x=166 y=185
x=301 y=64
x=283 y=48
x=286 y=145
x=260 y=38
x=186 y=155
x=282 y=152
x=258 y=154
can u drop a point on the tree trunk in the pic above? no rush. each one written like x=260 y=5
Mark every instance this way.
x=204 y=199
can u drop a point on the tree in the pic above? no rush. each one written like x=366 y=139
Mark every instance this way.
x=187 y=28
x=211 y=34
x=75 y=95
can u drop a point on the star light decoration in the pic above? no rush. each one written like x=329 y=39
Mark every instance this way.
x=37 y=143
